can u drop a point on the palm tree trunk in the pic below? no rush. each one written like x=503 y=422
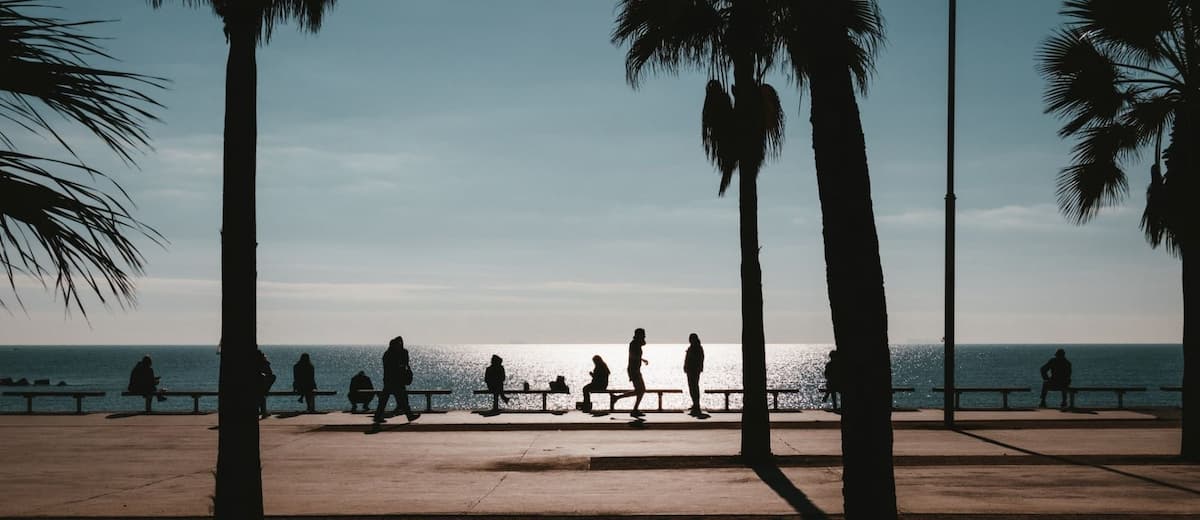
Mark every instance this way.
x=756 y=422
x=1190 y=442
x=856 y=296
x=239 y=470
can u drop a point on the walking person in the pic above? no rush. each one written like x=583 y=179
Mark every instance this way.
x=833 y=379
x=304 y=381
x=693 y=365
x=493 y=377
x=599 y=382
x=397 y=375
x=266 y=379
x=1056 y=375
x=634 y=369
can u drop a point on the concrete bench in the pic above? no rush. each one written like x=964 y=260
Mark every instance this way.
x=496 y=396
x=427 y=393
x=1002 y=390
x=1119 y=390
x=773 y=391
x=47 y=393
x=659 y=391
x=895 y=390
x=194 y=394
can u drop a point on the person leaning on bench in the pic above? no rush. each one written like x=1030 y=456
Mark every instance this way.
x=599 y=382
x=304 y=381
x=360 y=381
x=1056 y=375
x=693 y=365
x=635 y=373
x=266 y=378
x=142 y=380
x=493 y=377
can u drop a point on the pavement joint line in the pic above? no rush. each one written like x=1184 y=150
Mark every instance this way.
x=658 y=462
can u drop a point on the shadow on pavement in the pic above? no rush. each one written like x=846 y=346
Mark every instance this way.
x=1077 y=462
x=774 y=478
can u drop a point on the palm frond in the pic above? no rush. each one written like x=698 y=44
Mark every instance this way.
x=44 y=66
x=264 y=15
x=1156 y=221
x=773 y=122
x=1085 y=188
x=1130 y=28
x=718 y=132
x=850 y=33
x=51 y=226
x=668 y=36
x=1083 y=84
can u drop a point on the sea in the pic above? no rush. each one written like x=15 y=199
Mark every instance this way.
x=460 y=368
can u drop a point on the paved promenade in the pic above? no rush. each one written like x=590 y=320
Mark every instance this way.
x=1031 y=464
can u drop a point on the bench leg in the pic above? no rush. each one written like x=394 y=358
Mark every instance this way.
x=1120 y=399
x=957 y=400
x=495 y=402
x=29 y=404
x=79 y=405
x=1071 y=396
x=660 y=394
x=726 y=401
x=147 y=403
x=1004 y=397
x=428 y=402
x=544 y=401
x=195 y=404
x=775 y=401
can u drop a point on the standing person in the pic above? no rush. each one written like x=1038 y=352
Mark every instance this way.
x=142 y=380
x=397 y=375
x=833 y=378
x=599 y=382
x=634 y=369
x=267 y=379
x=494 y=377
x=304 y=381
x=1056 y=375
x=693 y=365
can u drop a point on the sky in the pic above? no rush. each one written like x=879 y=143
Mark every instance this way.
x=479 y=172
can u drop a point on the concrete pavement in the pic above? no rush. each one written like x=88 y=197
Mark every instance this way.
x=101 y=465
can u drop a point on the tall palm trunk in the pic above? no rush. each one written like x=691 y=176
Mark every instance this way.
x=756 y=425
x=1190 y=442
x=856 y=297
x=239 y=470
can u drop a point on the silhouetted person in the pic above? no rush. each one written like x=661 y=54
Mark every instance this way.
x=267 y=380
x=634 y=369
x=599 y=382
x=1056 y=375
x=360 y=381
x=397 y=375
x=693 y=365
x=494 y=377
x=304 y=381
x=560 y=385
x=142 y=380
x=833 y=379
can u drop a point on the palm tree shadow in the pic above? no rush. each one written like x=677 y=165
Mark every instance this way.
x=774 y=478
x=1069 y=460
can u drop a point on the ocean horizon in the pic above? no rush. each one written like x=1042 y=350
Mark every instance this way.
x=459 y=368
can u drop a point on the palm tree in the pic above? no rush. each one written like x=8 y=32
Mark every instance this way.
x=831 y=48
x=1122 y=75
x=248 y=23
x=52 y=226
x=723 y=38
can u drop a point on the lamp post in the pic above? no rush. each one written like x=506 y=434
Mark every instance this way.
x=948 y=338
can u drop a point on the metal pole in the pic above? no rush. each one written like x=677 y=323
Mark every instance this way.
x=948 y=376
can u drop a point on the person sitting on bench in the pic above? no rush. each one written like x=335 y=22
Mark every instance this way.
x=494 y=377
x=1056 y=375
x=599 y=382
x=360 y=381
x=143 y=381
